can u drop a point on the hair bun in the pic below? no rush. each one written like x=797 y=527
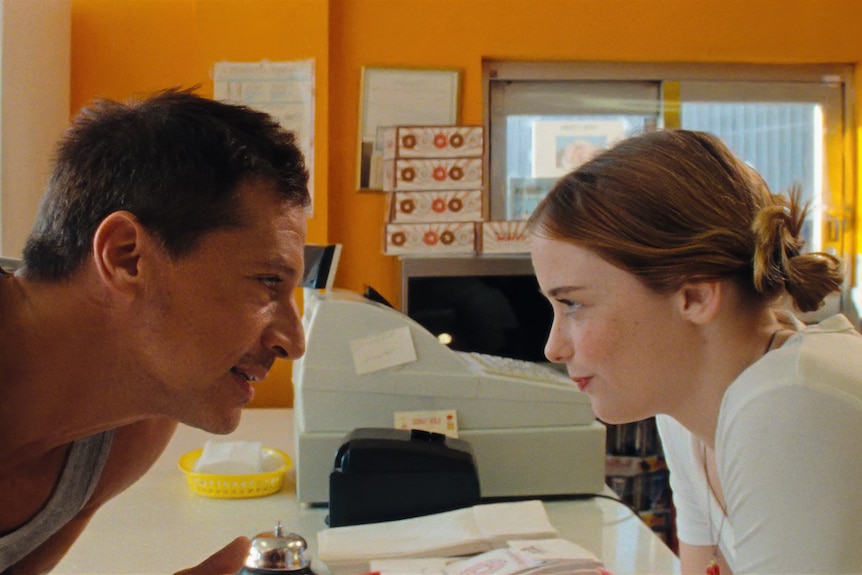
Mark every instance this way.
x=777 y=232
x=779 y=263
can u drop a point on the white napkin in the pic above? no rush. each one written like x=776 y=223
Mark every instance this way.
x=459 y=532
x=230 y=458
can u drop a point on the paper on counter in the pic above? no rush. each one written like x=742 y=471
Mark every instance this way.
x=414 y=566
x=460 y=532
x=534 y=557
x=524 y=557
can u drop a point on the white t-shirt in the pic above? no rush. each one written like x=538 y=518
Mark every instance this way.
x=789 y=457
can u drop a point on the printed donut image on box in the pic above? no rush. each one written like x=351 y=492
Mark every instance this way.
x=430 y=238
x=429 y=174
x=444 y=206
x=432 y=141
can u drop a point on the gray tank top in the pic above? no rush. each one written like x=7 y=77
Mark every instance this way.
x=79 y=477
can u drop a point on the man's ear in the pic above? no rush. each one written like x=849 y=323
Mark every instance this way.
x=699 y=302
x=117 y=248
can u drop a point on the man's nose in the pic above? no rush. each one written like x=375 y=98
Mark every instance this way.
x=286 y=336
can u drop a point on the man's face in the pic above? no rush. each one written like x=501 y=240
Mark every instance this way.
x=217 y=318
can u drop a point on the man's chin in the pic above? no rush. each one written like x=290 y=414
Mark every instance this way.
x=222 y=424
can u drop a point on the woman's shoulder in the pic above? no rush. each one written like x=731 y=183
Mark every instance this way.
x=819 y=365
x=819 y=355
x=835 y=324
x=830 y=355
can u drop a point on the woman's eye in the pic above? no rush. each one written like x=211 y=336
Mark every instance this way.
x=570 y=306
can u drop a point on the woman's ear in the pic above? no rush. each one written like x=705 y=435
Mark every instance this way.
x=116 y=248
x=699 y=302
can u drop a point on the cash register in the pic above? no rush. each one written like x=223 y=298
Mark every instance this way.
x=532 y=432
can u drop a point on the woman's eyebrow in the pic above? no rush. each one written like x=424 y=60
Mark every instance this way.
x=562 y=290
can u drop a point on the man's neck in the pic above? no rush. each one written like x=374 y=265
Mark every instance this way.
x=57 y=369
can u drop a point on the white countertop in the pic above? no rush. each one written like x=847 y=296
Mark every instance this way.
x=160 y=526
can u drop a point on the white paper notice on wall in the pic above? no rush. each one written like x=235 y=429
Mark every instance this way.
x=284 y=90
x=382 y=350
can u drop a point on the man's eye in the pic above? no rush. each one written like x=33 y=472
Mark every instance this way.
x=272 y=282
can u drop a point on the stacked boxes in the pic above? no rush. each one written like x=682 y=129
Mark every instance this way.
x=435 y=176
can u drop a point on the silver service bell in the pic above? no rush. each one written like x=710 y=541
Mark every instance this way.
x=276 y=551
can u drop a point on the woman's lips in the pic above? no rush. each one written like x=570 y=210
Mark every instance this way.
x=582 y=382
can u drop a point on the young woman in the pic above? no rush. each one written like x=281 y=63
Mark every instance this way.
x=667 y=262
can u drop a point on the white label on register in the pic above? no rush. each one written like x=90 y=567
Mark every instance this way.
x=383 y=350
x=445 y=421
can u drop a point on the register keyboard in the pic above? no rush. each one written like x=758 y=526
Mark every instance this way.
x=517 y=368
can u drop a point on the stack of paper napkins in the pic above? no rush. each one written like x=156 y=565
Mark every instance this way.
x=465 y=531
x=231 y=458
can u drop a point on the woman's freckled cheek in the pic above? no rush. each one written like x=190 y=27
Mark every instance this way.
x=587 y=344
x=597 y=344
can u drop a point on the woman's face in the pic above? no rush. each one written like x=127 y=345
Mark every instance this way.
x=622 y=343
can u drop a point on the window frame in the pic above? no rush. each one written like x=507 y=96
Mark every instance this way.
x=838 y=215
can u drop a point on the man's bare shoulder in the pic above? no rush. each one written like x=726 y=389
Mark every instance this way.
x=134 y=449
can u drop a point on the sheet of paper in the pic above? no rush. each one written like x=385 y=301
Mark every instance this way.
x=462 y=531
x=383 y=350
x=284 y=90
x=496 y=562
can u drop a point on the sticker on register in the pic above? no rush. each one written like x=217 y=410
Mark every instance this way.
x=444 y=421
x=383 y=350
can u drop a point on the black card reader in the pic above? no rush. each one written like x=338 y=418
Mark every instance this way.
x=383 y=474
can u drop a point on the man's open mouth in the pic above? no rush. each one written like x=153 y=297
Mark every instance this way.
x=245 y=375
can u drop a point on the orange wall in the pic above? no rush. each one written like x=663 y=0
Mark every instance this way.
x=123 y=47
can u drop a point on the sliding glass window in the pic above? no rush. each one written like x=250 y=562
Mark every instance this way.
x=788 y=122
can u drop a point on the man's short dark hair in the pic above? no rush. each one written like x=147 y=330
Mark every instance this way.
x=175 y=160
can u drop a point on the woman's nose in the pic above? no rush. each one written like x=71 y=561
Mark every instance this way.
x=557 y=348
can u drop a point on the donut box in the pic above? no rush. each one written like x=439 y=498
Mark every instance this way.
x=431 y=238
x=406 y=175
x=445 y=206
x=432 y=142
x=505 y=237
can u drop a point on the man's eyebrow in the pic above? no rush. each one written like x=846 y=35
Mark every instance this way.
x=281 y=266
